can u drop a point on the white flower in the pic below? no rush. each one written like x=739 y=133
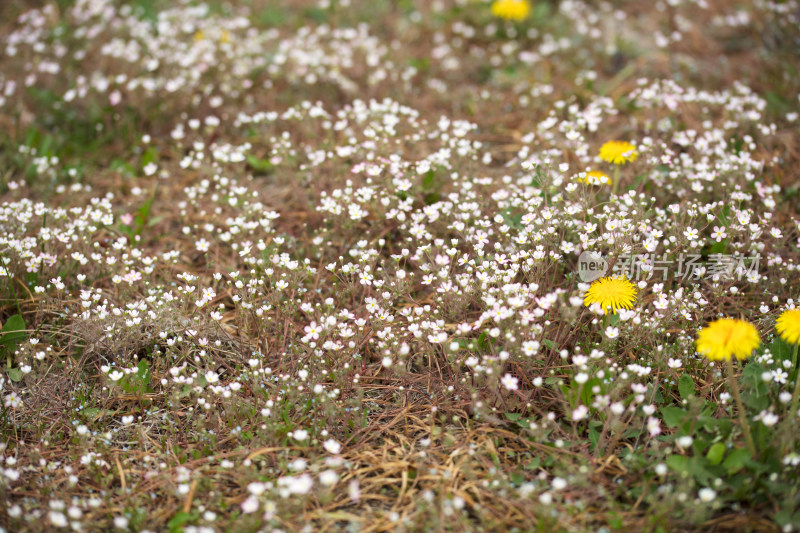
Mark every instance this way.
x=653 y=426
x=580 y=413
x=300 y=434
x=250 y=505
x=354 y=490
x=298 y=465
x=256 y=488
x=685 y=441
x=612 y=332
x=706 y=494
x=297 y=485
x=12 y=400
x=510 y=382
x=767 y=418
x=331 y=446
x=328 y=478
x=58 y=519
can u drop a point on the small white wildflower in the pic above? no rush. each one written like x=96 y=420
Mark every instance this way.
x=706 y=494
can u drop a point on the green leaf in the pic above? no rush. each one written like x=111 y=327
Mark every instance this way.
x=428 y=180
x=14 y=374
x=594 y=437
x=93 y=413
x=534 y=464
x=13 y=331
x=149 y=156
x=737 y=460
x=512 y=219
x=781 y=350
x=698 y=469
x=513 y=416
x=678 y=463
x=138 y=383
x=673 y=416
x=261 y=166
x=716 y=453
x=718 y=247
x=686 y=386
x=177 y=522
x=143 y=213
x=143 y=370
x=725 y=216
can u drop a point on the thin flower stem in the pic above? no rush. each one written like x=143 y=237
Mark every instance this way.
x=742 y=416
x=615 y=185
x=787 y=424
x=10 y=279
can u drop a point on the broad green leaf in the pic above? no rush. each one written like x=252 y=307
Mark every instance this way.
x=715 y=453
x=686 y=386
x=673 y=416
x=14 y=374
x=737 y=460
x=262 y=166
x=781 y=350
x=698 y=468
x=13 y=331
x=93 y=413
x=718 y=247
x=678 y=463
x=594 y=437
x=177 y=522
x=534 y=464
x=428 y=179
x=143 y=370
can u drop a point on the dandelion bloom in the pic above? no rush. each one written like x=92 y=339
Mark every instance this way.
x=788 y=326
x=595 y=177
x=618 y=152
x=614 y=292
x=726 y=338
x=511 y=9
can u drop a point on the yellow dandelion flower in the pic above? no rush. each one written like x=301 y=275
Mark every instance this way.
x=788 y=326
x=511 y=9
x=595 y=177
x=618 y=152
x=611 y=292
x=199 y=35
x=726 y=338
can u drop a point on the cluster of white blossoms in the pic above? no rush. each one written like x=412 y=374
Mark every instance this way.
x=296 y=246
